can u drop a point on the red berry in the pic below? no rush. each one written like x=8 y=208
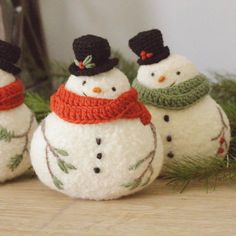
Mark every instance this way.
x=222 y=140
x=220 y=150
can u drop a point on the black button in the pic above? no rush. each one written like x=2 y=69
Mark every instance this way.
x=96 y=170
x=170 y=154
x=168 y=138
x=99 y=156
x=98 y=141
x=166 y=118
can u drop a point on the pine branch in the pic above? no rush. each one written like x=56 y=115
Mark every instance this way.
x=209 y=170
x=38 y=105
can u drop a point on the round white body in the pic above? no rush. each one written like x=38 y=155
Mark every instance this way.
x=102 y=157
x=192 y=132
x=16 y=129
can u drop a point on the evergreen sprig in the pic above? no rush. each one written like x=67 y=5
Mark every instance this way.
x=15 y=161
x=39 y=105
x=6 y=135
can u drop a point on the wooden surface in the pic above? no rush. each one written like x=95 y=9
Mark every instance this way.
x=29 y=208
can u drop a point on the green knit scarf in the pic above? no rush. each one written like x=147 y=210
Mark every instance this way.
x=177 y=97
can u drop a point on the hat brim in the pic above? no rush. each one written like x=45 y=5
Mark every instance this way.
x=8 y=67
x=108 y=65
x=161 y=55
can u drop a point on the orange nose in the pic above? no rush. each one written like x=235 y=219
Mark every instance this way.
x=162 y=78
x=97 y=90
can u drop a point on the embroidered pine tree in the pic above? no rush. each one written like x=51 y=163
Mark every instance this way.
x=190 y=122
x=98 y=142
x=16 y=120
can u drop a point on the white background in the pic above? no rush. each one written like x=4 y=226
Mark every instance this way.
x=202 y=30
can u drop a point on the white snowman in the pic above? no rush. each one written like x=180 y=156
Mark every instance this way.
x=17 y=122
x=98 y=142
x=191 y=123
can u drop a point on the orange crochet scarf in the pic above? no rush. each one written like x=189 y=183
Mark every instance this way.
x=88 y=110
x=11 y=95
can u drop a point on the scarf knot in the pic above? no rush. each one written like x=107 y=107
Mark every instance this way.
x=88 y=110
x=11 y=95
x=178 y=97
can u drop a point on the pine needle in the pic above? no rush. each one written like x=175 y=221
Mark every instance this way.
x=38 y=105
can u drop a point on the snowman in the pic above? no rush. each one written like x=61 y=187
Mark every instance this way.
x=17 y=122
x=191 y=123
x=98 y=143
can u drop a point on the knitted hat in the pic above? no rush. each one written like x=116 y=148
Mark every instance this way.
x=9 y=55
x=148 y=45
x=92 y=56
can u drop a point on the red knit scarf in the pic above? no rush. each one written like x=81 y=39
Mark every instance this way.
x=11 y=95
x=88 y=110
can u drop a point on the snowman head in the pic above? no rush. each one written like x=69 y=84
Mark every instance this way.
x=109 y=84
x=6 y=78
x=9 y=55
x=166 y=73
x=159 y=68
x=93 y=73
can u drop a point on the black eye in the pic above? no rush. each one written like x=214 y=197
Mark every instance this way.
x=178 y=73
x=113 y=89
x=152 y=74
x=84 y=82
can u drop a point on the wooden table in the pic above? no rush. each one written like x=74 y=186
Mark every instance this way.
x=29 y=208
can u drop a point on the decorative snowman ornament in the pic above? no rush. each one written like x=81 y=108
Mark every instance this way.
x=17 y=122
x=190 y=122
x=98 y=142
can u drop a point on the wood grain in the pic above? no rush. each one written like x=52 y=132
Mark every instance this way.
x=28 y=208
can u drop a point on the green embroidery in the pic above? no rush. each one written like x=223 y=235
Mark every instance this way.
x=150 y=157
x=57 y=153
x=177 y=97
x=15 y=161
x=87 y=62
x=7 y=136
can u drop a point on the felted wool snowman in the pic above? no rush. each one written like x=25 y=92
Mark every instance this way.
x=190 y=122
x=98 y=142
x=17 y=122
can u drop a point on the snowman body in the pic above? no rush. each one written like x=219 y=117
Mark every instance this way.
x=195 y=132
x=16 y=129
x=97 y=161
x=199 y=130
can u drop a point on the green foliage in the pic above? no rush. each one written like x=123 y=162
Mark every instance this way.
x=6 y=135
x=61 y=152
x=57 y=182
x=15 y=161
x=64 y=166
x=38 y=105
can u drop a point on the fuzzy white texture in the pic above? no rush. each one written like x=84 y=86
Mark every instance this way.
x=172 y=70
x=123 y=143
x=109 y=84
x=6 y=78
x=191 y=129
x=16 y=120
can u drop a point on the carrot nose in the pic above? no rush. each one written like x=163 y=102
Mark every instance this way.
x=97 y=90
x=162 y=78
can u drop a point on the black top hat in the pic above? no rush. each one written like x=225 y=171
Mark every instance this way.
x=148 y=45
x=92 y=56
x=9 y=55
